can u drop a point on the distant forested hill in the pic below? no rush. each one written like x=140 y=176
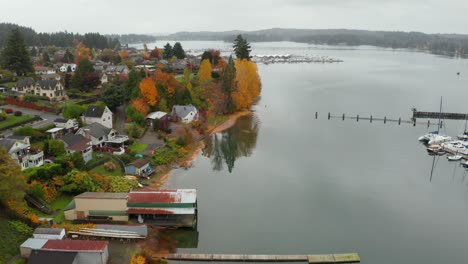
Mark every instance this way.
x=446 y=44
x=59 y=39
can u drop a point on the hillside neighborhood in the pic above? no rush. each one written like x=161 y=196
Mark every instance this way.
x=88 y=133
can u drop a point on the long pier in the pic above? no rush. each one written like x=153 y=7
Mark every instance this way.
x=331 y=258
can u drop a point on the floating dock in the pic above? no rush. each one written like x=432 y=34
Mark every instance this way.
x=331 y=258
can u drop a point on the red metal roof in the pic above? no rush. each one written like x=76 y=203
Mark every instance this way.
x=149 y=211
x=159 y=196
x=76 y=245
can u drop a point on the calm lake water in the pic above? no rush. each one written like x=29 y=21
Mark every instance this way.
x=282 y=182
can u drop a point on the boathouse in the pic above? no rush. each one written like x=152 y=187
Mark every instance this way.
x=88 y=251
x=98 y=206
x=163 y=207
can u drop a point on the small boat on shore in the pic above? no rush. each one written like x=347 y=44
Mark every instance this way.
x=454 y=157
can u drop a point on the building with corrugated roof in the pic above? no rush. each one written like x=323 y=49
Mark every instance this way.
x=98 y=206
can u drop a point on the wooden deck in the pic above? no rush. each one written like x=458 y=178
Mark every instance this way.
x=331 y=258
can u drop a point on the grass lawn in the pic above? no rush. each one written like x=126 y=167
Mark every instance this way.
x=138 y=147
x=10 y=240
x=57 y=206
x=11 y=119
x=216 y=120
x=101 y=170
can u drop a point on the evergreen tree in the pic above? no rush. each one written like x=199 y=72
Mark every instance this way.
x=242 y=48
x=229 y=84
x=15 y=56
x=168 y=52
x=178 y=51
x=68 y=57
x=45 y=57
x=207 y=56
x=34 y=52
x=83 y=71
x=130 y=87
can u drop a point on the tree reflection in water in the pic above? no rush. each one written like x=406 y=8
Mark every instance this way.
x=238 y=141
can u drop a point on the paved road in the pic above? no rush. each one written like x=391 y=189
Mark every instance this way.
x=121 y=118
x=47 y=118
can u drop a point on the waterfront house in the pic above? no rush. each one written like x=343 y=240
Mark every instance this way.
x=184 y=113
x=98 y=206
x=79 y=143
x=103 y=136
x=163 y=207
x=49 y=233
x=98 y=114
x=139 y=167
x=20 y=151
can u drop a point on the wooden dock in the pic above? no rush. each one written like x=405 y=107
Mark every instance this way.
x=331 y=258
x=437 y=115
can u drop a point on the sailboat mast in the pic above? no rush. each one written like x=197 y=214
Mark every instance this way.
x=440 y=114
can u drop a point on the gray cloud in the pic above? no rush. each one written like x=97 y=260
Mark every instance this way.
x=148 y=16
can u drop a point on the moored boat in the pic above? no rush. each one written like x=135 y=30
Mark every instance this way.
x=454 y=157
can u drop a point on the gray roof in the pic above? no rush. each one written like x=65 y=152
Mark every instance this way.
x=71 y=139
x=18 y=137
x=97 y=130
x=25 y=82
x=49 y=256
x=94 y=111
x=183 y=110
x=48 y=231
x=61 y=120
x=7 y=143
x=34 y=243
x=116 y=68
x=51 y=76
x=102 y=195
x=139 y=229
x=48 y=84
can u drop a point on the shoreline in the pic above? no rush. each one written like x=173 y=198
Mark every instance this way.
x=194 y=150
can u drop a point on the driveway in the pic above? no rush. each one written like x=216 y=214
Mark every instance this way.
x=47 y=118
x=151 y=139
x=121 y=118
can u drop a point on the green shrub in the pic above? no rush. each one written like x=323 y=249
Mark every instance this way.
x=168 y=153
x=21 y=227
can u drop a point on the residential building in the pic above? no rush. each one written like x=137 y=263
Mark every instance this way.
x=113 y=70
x=98 y=114
x=139 y=167
x=163 y=118
x=53 y=76
x=79 y=143
x=184 y=113
x=103 y=136
x=50 y=88
x=43 y=70
x=20 y=151
x=69 y=125
x=66 y=66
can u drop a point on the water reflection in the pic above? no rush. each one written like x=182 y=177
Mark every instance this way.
x=238 y=141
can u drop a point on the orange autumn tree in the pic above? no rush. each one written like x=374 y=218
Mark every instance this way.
x=248 y=84
x=141 y=106
x=149 y=91
x=124 y=55
x=204 y=73
x=138 y=260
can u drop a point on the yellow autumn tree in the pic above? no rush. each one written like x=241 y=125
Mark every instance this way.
x=248 y=84
x=204 y=73
x=149 y=91
x=138 y=260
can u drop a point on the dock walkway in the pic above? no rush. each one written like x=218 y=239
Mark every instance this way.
x=331 y=258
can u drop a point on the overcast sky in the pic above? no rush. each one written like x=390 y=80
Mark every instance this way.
x=152 y=16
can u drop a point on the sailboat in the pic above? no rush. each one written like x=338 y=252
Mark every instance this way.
x=464 y=136
x=434 y=137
